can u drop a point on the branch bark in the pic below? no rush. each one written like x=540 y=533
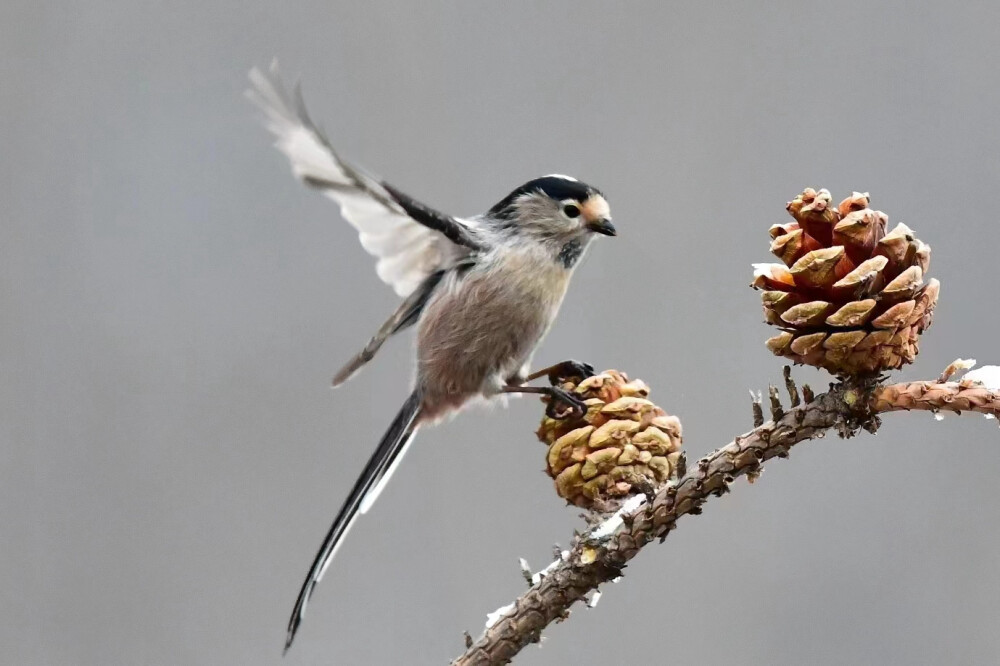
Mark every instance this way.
x=938 y=396
x=848 y=407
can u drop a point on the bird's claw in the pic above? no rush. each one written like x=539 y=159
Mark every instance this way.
x=573 y=407
x=562 y=372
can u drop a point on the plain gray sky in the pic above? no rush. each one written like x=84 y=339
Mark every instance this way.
x=175 y=305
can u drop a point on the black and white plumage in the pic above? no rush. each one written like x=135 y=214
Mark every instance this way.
x=410 y=240
x=482 y=291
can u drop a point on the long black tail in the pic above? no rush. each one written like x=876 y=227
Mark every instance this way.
x=364 y=492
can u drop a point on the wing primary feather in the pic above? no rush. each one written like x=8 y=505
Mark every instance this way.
x=371 y=206
x=405 y=315
x=452 y=229
x=393 y=443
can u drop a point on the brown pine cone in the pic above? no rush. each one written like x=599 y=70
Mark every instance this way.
x=849 y=297
x=623 y=445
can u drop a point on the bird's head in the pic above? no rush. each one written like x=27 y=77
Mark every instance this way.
x=555 y=207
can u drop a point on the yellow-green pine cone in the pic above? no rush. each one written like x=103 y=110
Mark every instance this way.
x=624 y=444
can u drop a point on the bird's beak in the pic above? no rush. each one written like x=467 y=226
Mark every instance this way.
x=603 y=226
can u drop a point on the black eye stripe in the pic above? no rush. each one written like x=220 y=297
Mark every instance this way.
x=571 y=210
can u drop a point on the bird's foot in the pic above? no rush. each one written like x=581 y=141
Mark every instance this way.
x=562 y=372
x=564 y=405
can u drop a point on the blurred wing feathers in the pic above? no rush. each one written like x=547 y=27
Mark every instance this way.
x=410 y=240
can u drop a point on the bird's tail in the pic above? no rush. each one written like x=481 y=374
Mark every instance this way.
x=366 y=489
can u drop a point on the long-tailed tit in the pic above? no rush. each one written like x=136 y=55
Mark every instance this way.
x=482 y=291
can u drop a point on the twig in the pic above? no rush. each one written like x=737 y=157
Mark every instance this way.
x=958 y=365
x=591 y=562
x=793 y=392
x=777 y=411
x=955 y=397
x=757 y=409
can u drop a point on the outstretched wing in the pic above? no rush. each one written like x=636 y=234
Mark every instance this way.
x=410 y=240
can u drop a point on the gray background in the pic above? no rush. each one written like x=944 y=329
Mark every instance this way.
x=175 y=305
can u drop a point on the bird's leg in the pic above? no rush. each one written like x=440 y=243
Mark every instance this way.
x=577 y=407
x=560 y=372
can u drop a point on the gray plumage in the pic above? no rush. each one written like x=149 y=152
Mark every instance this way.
x=481 y=291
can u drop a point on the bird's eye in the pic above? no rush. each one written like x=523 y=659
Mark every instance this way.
x=571 y=211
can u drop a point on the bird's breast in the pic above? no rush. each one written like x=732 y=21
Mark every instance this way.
x=512 y=291
x=489 y=319
x=538 y=280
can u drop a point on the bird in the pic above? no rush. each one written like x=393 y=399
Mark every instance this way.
x=481 y=291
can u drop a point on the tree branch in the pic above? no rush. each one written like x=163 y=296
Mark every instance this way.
x=938 y=396
x=600 y=555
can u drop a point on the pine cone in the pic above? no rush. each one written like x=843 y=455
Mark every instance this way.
x=849 y=297
x=623 y=445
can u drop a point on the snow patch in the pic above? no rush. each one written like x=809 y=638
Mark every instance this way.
x=762 y=270
x=498 y=614
x=608 y=527
x=988 y=376
x=537 y=578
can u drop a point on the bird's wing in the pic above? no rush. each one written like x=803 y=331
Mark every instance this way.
x=405 y=315
x=410 y=240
